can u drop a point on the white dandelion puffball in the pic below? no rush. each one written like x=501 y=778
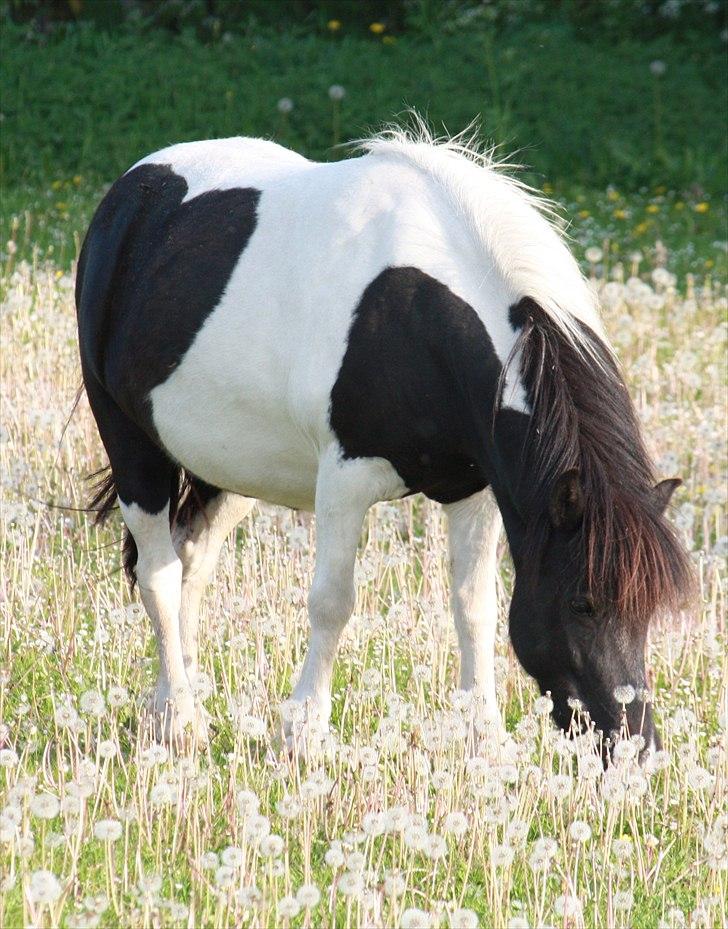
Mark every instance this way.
x=580 y=831
x=351 y=884
x=288 y=907
x=542 y=706
x=92 y=703
x=247 y=802
x=464 y=919
x=336 y=92
x=456 y=823
x=503 y=855
x=162 y=794
x=108 y=749
x=44 y=887
x=334 y=857
x=624 y=693
x=308 y=895
x=8 y=758
x=108 y=830
x=394 y=884
x=414 y=918
x=45 y=806
x=285 y=105
x=593 y=255
x=232 y=857
x=117 y=696
x=658 y=68
x=271 y=846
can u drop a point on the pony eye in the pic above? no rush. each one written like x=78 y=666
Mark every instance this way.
x=582 y=606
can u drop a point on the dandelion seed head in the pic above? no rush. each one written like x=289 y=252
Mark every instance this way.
x=624 y=694
x=288 y=907
x=92 y=703
x=45 y=806
x=456 y=823
x=108 y=830
x=580 y=831
x=542 y=706
x=463 y=918
x=44 y=887
x=232 y=856
x=415 y=918
x=308 y=895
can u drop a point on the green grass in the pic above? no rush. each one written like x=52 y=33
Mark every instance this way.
x=81 y=106
x=579 y=108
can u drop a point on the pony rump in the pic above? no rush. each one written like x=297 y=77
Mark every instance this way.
x=583 y=418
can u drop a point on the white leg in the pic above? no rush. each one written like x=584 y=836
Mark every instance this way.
x=198 y=545
x=474 y=525
x=159 y=575
x=344 y=492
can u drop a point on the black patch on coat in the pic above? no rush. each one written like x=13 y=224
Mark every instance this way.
x=417 y=387
x=151 y=271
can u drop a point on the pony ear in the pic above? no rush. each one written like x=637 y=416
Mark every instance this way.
x=662 y=492
x=566 y=506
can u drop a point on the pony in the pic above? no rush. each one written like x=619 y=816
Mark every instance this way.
x=256 y=325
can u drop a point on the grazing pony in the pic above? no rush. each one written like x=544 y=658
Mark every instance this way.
x=325 y=336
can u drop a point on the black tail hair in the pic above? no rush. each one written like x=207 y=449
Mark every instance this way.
x=187 y=497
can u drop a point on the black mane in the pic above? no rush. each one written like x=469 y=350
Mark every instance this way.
x=583 y=417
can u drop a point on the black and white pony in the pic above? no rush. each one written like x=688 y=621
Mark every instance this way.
x=325 y=336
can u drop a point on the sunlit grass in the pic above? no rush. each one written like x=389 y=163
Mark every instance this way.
x=395 y=822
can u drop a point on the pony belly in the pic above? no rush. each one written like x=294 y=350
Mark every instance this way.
x=238 y=450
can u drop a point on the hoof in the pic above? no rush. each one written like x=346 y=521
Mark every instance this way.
x=177 y=721
x=305 y=730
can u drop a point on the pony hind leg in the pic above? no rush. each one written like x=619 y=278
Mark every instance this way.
x=473 y=528
x=204 y=521
x=147 y=485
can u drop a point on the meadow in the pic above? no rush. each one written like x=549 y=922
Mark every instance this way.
x=407 y=815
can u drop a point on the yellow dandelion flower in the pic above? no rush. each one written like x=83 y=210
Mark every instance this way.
x=702 y=207
x=56 y=185
x=77 y=179
x=709 y=263
x=377 y=28
x=333 y=25
x=61 y=205
x=389 y=39
x=583 y=214
x=679 y=205
x=59 y=274
x=620 y=214
x=613 y=194
x=641 y=228
x=653 y=208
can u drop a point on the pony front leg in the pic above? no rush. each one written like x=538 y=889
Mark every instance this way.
x=474 y=526
x=344 y=493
